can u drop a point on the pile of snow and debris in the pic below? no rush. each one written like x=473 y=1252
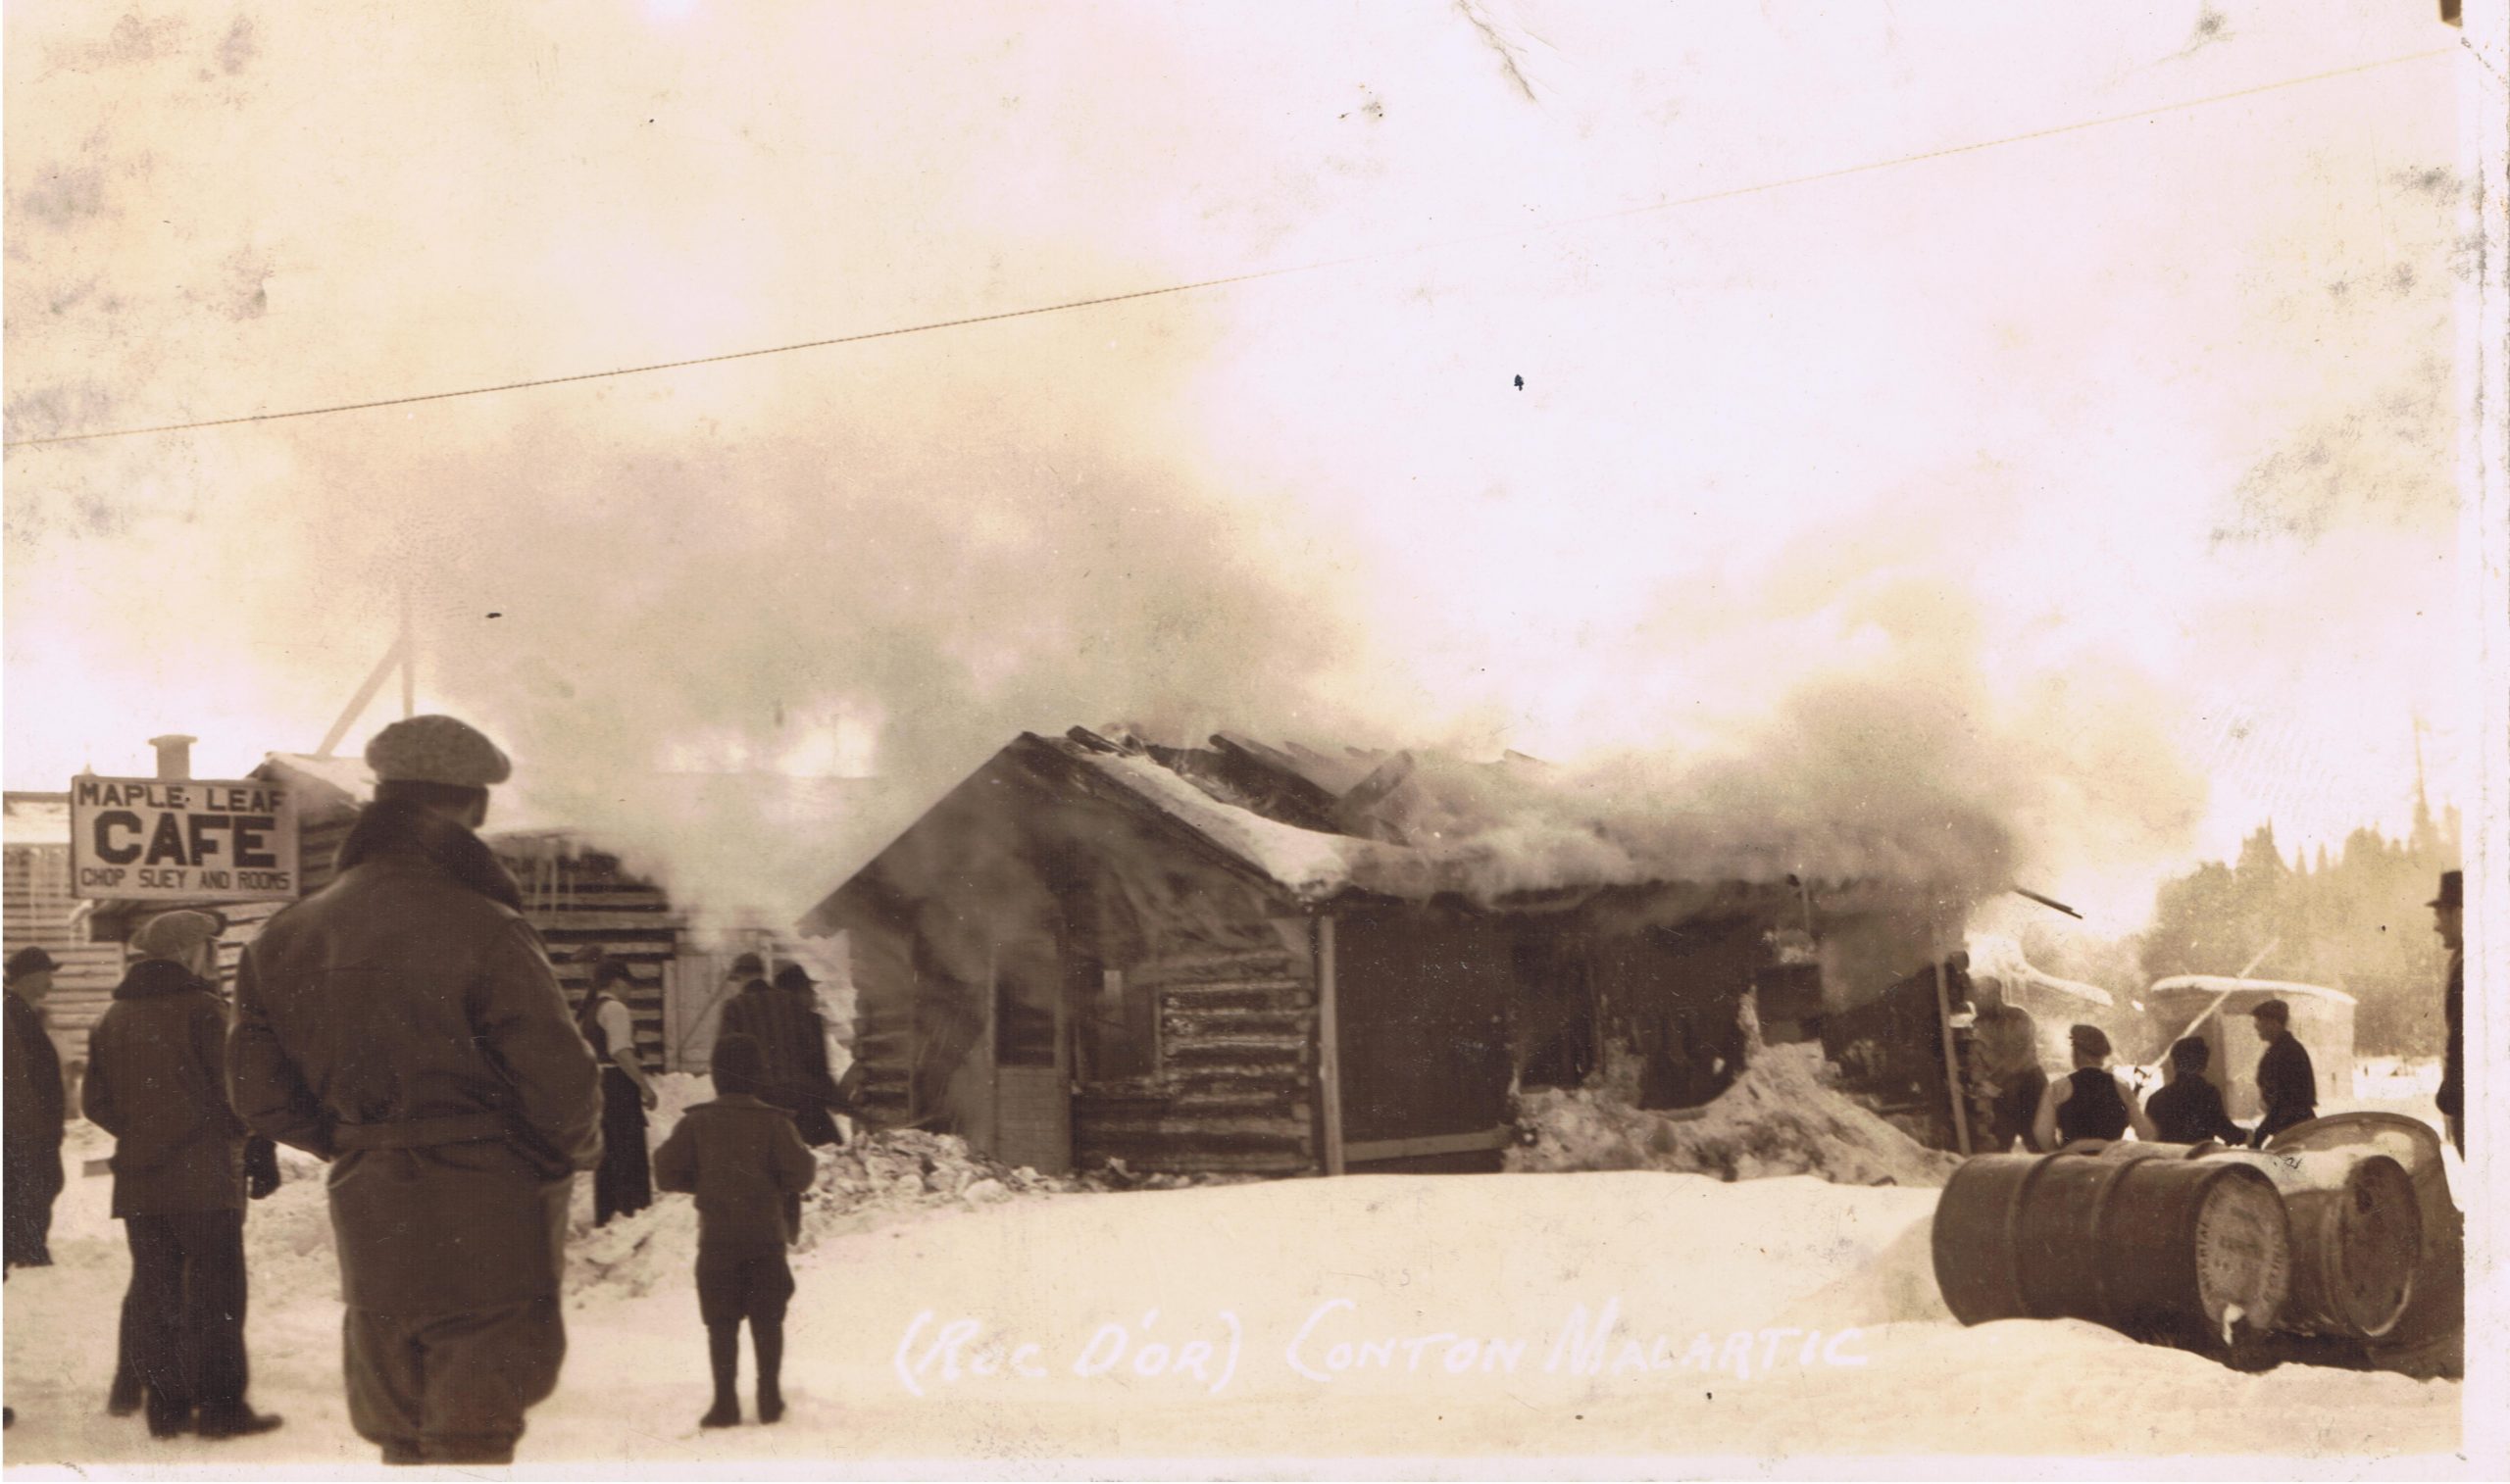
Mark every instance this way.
x=1779 y=1118
x=876 y=1179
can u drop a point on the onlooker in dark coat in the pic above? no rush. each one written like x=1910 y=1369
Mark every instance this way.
x=2448 y=919
x=2189 y=1110
x=31 y=1173
x=156 y=1081
x=404 y=1023
x=784 y=1018
x=2286 y=1083
x=745 y=1163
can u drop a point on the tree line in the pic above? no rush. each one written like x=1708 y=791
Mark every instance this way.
x=2353 y=919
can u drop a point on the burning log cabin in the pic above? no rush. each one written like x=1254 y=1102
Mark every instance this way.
x=1230 y=960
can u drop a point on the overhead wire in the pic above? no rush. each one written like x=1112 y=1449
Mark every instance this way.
x=1100 y=301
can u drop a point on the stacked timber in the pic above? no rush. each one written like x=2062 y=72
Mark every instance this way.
x=1234 y=1077
x=581 y=903
x=883 y=1053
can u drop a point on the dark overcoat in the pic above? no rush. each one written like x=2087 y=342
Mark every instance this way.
x=157 y=1083
x=404 y=1024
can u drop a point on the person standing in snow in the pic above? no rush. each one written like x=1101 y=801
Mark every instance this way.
x=784 y=1018
x=623 y=1184
x=2092 y=1102
x=2008 y=1046
x=2448 y=919
x=404 y=1024
x=2189 y=1110
x=31 y=1178
x=2286 y=1083
x=157 y=1083
x=743 y=1160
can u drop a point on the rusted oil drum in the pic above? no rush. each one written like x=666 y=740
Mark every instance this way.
x=2357 y=1238
x=2178 y=1250
x=2429 y=1338
x=2138 y=1149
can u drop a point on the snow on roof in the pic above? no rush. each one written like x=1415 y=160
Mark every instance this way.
x=2226 y=984
x=1310 y=863
x=37 y=820
x=2001 y=958
x=347 y=777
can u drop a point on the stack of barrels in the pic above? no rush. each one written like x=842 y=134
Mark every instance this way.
x=2200 y=1245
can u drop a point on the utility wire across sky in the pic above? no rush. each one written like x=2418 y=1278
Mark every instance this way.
x=1251 y=276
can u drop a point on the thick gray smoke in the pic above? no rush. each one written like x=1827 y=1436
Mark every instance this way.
x=666 y=627
x=898 y=586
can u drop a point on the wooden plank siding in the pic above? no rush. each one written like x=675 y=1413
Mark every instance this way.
x=1236 y=1080
x=37 y=911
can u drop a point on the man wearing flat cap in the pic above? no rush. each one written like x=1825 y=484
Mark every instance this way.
x=404 y=1024
x=31 y=1176
x=157 y=1083
x=2448 y=919
x=2287 y=1082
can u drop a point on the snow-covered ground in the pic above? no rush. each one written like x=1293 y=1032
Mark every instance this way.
x=1615 y=1314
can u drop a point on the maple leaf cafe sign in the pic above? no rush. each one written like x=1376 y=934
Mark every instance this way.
x=182 y=840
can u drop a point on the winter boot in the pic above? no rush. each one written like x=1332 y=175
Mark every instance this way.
x=769 y=1339
x=238 y=1421
x=167 y=1420
x=724 y=1354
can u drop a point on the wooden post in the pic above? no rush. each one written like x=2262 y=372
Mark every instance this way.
x=1328 y=1045
x=1951 y=1055
x=358 y=702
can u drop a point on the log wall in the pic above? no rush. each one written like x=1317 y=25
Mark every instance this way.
x=1234 y=1080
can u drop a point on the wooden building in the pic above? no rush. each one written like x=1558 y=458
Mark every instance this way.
x=1231 y=958
x=575 y=894
x=42 y=913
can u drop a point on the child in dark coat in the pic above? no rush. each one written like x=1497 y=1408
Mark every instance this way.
x=745 y=1163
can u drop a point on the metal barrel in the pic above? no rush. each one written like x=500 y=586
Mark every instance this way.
x=2429 y=1339
x=2357 y=1237
x=2179 y=1251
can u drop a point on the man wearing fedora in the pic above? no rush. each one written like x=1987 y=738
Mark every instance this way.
x=404 y=1024
x=2448 y=919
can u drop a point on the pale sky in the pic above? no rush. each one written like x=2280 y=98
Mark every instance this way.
x=2127 y=451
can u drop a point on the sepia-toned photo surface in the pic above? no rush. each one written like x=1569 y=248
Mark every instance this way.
x=1457 y=738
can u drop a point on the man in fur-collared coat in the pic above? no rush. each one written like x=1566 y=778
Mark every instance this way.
x=404 y=1024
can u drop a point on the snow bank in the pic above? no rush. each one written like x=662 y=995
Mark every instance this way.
x=1778 y=1118
x=1563 y=1316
